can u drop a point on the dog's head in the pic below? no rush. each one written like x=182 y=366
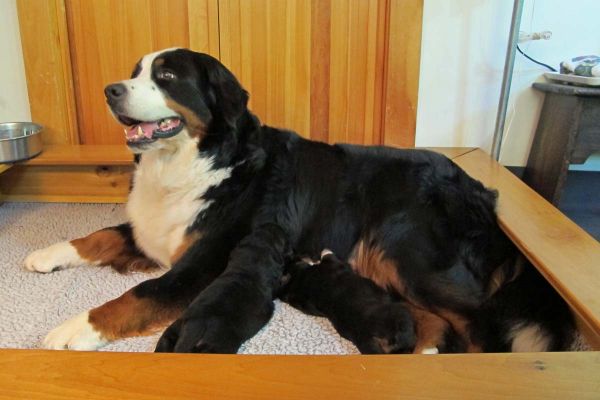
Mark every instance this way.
x=174 y=93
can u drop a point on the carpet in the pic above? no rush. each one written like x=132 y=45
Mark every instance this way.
x=34 y=303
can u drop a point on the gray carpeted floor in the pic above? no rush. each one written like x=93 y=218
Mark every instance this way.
x=32 y=303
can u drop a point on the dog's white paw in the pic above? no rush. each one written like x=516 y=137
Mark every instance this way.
x=430 y=350
x=58 y=256
x=74 y=334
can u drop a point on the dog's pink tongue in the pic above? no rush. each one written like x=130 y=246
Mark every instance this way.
x=147 y=128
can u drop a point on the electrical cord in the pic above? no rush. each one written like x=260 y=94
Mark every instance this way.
x=535 y=61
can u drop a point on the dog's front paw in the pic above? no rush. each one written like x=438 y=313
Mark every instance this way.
x=74 y=334
x=58 y=256
x=196 y=335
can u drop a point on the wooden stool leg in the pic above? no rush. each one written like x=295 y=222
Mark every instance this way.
x=552 y=146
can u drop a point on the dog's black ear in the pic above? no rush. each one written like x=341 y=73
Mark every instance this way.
x=230 y=98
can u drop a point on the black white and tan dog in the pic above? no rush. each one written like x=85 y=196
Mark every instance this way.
x=222 y=200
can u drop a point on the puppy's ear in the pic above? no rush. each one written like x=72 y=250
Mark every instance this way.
x=230 y=98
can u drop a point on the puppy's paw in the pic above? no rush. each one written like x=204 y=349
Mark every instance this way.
x=58 y=256
x=74 y=334
x=326 y=252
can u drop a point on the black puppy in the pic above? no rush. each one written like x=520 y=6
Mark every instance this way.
x=360 y=311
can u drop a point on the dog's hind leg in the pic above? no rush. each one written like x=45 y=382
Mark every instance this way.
x=111 y=246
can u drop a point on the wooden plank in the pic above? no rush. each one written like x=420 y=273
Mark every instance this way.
x=35 y=374
x=45 y=43
x=563 y=252
x=267 y=45
x=4 y=167
x=320 y=42
x=402 y=72
x=450 y=152
x=77 y=183
x=203 y=26
x=83 y=155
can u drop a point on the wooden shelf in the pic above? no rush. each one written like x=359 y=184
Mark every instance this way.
x=59 y=154
x=71 y=173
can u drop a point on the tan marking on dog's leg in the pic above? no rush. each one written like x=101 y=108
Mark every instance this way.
x=130 y=315
x=430 y=329
x=125 y=316
x=186 y=243
x=109 y=247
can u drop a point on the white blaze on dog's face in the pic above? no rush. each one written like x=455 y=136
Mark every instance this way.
x=171 y=91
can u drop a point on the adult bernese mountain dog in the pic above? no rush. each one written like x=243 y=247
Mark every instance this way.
x=226 y=202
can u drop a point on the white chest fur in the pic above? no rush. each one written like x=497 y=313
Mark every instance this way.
x=167 y=197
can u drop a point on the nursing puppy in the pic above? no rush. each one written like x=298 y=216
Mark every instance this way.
x=361 y=311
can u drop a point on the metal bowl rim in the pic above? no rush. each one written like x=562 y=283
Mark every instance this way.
x=38 y=129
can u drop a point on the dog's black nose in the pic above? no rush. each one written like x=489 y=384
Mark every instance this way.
x=115 y=91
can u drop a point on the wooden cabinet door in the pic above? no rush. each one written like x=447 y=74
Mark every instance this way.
x=332 y=70
x=108 y=37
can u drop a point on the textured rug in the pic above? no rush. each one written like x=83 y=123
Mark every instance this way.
x=33 y=303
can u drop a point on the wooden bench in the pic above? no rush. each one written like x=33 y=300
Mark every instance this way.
x=565 y=254
x=71 y=173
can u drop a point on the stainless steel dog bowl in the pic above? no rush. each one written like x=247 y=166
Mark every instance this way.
x=19 y=141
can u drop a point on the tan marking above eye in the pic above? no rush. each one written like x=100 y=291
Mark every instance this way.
x=130 y=315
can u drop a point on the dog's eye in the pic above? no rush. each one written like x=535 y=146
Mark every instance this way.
x=166 y=75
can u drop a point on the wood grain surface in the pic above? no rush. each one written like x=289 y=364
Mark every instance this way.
x=45 y=43
x=84 y=155
x=35 y=374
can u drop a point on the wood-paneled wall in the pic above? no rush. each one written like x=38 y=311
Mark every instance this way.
x=45 y=44
x=108 y=37
x=333 y=70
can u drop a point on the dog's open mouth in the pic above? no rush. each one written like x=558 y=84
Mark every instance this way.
x=139 y=132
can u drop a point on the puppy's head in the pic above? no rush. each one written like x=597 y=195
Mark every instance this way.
x=175 y=95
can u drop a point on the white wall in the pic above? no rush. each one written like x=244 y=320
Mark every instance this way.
x=14 y=102
x=462 y=59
